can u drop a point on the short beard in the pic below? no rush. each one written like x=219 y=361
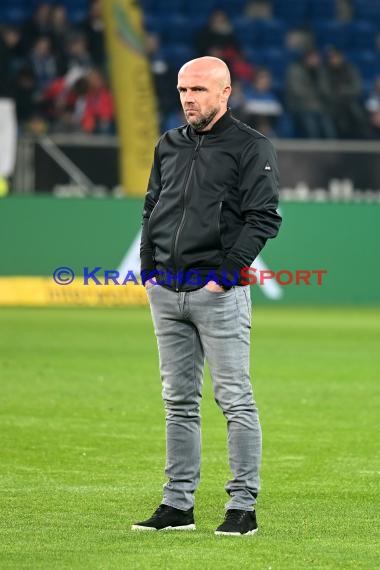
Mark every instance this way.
x=204 y=120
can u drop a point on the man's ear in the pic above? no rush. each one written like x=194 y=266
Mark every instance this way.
x=227 y=92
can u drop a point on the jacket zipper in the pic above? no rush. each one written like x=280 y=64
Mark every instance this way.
x=180 y=226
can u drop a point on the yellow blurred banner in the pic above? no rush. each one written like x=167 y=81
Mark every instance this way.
x=44 y=292
x=133 y=91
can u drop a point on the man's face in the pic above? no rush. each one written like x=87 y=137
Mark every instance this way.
x=202 y=96
x=313 y=60
x=335 y=59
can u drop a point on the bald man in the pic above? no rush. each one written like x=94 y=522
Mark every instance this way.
x=210 y=207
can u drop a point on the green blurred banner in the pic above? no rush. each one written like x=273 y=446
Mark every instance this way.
x=39 y=234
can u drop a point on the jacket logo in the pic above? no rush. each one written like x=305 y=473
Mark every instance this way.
x=267 y=167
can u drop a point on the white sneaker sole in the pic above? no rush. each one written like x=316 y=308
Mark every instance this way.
x=168 y=528
x=222 y=533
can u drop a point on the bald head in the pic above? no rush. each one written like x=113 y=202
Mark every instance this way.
x=208 y=67
x=204 y=85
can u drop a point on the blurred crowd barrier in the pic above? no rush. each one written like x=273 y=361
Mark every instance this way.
x=64 y=166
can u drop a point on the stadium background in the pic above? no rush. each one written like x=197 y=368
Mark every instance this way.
x=81 y=415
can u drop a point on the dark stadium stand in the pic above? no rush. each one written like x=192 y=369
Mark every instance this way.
x=17 y=11
x=263 y=30
x=357 y=37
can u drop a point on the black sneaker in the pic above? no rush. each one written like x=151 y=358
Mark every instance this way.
x=168 y=518
x=237 y=523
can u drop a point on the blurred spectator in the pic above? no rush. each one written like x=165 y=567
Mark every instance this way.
x=308 y=96
x=217 y=38
x=69 y=103
x=258 y=10
x=77 y=54
x=239 y=67
x=346 y=89
x=93 y=28
x=164 y=78
x=36 y=125
x=98 y=113
x=236 y=101
x=60 y=28
x=375 y=124
x=12 y=58
x=57 y=97
x=262 y=107
x=299 y=40
x=372 y=103
x=43 y=62
x=25 y=96
x=38 y=25
x=344 y=10
x=372 y=106
x=78 y=102
x=218 y=33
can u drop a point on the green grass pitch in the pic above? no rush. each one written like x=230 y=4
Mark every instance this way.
x=83 y=443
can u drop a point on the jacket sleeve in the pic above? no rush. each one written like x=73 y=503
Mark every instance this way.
x=151 y=198
x=258 y=187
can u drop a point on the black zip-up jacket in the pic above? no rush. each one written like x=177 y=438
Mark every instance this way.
x=211 y=204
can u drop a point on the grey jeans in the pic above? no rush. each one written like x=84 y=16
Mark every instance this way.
x=192 y=326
